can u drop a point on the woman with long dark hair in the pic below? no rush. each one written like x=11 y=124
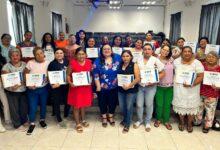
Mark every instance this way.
x=105 y=76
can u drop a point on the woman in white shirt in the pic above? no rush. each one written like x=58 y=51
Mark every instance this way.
x=147 y=90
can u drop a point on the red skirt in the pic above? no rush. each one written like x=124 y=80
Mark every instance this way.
x=80 y=96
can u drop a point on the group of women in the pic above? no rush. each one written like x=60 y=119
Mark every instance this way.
x=20 y=102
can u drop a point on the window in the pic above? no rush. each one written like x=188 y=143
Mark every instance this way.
x=21 y=19
x=175 y=27
x=56 y=24
x=209 y=22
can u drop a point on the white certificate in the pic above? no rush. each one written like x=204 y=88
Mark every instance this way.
x=211 y=47
x=117 y=50
x=57 y=77
x=211 y=78
x=49 y=48
x=27 y=51
x=185 y=77
x=92 y=52
x=124 y=79
x=81 y=78
x=137 y=56
x=35 y=79
x=49 y=55
x=127 y=48
x=193 y=45
x=11 y=79
x=149 y=76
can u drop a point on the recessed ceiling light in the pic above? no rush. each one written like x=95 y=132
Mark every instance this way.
x=148 y=2
x=144 y=2
x=153 y=2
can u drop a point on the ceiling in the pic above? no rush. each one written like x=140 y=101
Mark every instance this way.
x=125 y=2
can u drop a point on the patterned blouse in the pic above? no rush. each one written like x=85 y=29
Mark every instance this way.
x=107 y=73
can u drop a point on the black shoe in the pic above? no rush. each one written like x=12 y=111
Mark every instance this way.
x=205 y=130
x=216 y=125
x=30 y=129
x=43 y=124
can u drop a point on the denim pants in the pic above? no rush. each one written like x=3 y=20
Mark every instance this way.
x=35 y=97
x=145 y=96
x=126 y=102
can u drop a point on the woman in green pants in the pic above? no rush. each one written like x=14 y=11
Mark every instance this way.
x=164 y=94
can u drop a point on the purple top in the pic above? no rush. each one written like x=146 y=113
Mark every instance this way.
x=167 y=80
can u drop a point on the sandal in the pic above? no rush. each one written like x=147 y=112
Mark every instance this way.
x=104 y=122
x=205 y=130
x=157 y=123
x=85 y=124
x=79 y=128
x=190 y=129
x=111 y=120
x=122 y=124
x=125 y=130
x=168 y=126
x=181 y=127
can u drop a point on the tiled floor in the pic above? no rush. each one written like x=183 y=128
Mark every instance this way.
x=111 y=138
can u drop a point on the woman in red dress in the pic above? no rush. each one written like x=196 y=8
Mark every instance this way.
x=79 y=97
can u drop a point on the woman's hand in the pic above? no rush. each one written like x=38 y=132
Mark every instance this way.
x=127 y=87
x=186 y=85
x=54 y=86
x=32 y=87
x=14 y=88
x=150 y=84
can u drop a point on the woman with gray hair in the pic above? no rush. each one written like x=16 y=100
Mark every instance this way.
x=16 y=94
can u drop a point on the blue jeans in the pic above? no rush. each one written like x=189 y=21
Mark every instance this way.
x=35 y=97
x=145 y=95
x=126 y=102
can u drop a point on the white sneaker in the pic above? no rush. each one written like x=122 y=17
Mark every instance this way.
x=137 y=124
x=2 y=129
x=147 y=127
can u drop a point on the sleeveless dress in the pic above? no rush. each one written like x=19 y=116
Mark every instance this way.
x=80 y=96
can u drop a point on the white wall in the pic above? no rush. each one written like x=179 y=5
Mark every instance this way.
x=42 y=15
x=190 y=17
x=3 y=17
x=127 y=19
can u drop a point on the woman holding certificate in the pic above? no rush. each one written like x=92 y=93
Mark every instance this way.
x=36 y=82
x=27 y=47
x=117 y=45
x=80 y=91
x=128 y=78
x=92 y=51
x=209 y=91
x=57 y=75
x=152 y=70
x=164 y=94
x=187 y=80
x=105 y=74
x=16 y=92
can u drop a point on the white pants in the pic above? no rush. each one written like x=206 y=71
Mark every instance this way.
x=4 y=102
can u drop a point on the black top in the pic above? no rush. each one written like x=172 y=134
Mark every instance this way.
x=57 y=66
x=129 y=70
x=131 y=45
